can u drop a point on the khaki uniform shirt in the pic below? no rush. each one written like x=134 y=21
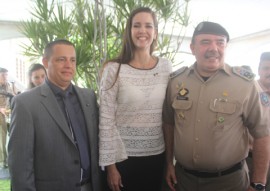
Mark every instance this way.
x=4 y=99
x=212 y=117
x=264 y=89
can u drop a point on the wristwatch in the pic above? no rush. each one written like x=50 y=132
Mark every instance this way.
x=257 y=186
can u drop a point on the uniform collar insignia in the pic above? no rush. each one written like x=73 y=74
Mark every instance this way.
x=264 y=97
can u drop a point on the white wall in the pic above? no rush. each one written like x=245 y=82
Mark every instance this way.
x=11 y=54
x=247 y=50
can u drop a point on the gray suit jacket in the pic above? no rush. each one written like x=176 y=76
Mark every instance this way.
x=42 y=155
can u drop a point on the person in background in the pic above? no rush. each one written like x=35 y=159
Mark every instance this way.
x=264 y=82
x=54 y=130
x=264 y=72
x=209 y=109
x=7 y=91
x=36 y=75
x=132 y=91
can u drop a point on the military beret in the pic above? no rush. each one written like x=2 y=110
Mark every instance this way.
x=3 y=70
x=206 y=27
x=265 y=56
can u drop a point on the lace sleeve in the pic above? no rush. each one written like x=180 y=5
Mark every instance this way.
x=111 y=147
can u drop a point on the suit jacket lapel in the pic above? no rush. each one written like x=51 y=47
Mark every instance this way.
x=50 y=103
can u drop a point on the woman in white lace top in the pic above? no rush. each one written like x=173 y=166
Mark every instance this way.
x=132 y=91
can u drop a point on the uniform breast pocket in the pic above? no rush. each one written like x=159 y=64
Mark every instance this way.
x=182 y=111
x=224 y=111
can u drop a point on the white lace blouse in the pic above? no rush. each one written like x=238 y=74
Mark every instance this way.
x=131 y=111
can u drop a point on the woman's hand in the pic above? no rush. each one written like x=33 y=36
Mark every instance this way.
x=170 y=177
x=114 y=178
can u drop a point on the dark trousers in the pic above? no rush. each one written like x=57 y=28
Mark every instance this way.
x=86 y=187
x=236 y=181
x=142 y=173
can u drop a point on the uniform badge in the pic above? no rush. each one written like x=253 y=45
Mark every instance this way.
x=243 y=72
x=181 y=115
x=221 y=119
x=225 y=94
x=264 y=99
x=182 y=93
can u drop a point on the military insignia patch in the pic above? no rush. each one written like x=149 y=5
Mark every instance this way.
x=182 y=92
x=264 y=99
x=243 y=72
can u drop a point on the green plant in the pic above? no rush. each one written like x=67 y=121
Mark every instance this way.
x=4 y=184
x=96 y=30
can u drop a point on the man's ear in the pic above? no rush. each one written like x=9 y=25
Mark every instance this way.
x=192 y=48
x=45 y=62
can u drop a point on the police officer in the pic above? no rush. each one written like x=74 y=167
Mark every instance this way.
x=264 y=82
x=264 y=72
x=7 y=91
x=208 y=111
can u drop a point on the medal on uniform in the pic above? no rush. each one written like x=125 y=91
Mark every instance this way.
x=181 y=115
x=182 y=92
x=221 y=119
x=225 y=94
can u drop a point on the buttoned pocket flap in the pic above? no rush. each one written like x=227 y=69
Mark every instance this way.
x=223 y=106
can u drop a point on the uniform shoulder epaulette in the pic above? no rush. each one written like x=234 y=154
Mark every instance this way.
x=243 y=72
x=177 y=72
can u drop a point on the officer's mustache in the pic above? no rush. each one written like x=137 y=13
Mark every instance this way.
x=210 y=54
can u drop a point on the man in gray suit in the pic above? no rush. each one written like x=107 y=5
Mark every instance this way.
x=54 y=130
